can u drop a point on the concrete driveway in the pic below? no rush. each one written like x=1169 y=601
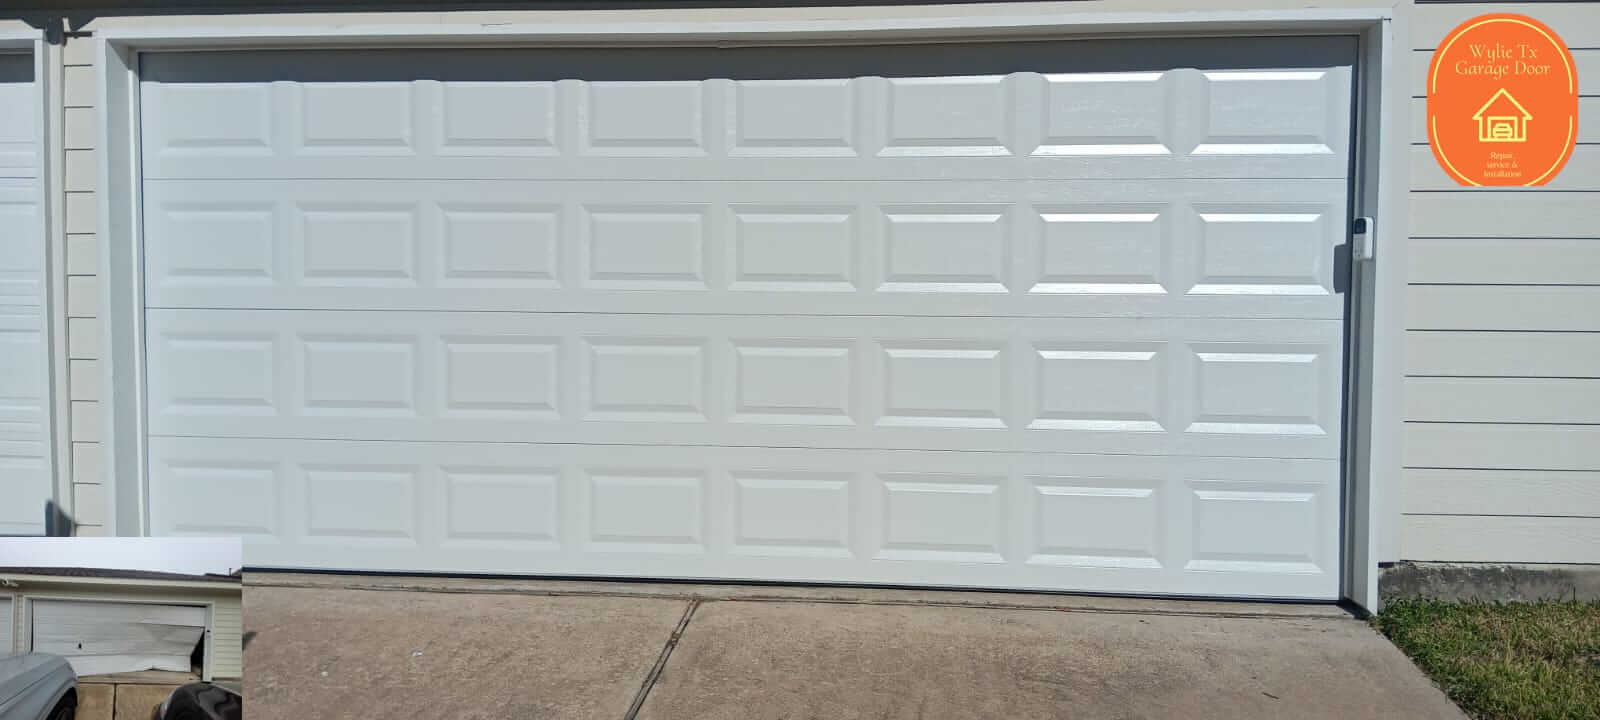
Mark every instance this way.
x=395 y=647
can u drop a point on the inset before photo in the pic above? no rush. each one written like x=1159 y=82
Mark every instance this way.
x=120 y=628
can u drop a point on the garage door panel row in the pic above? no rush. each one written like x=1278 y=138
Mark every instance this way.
x=1261 y=388
x=989 y=519
x=1156 y=247
x=1173 y=123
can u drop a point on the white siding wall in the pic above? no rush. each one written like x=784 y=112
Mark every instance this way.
x=227 y=638
x=1503 y=349
x=80 y=172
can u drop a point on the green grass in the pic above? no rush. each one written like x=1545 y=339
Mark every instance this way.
x=1503 y=661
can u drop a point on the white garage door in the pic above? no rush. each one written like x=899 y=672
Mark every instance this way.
x=1028 y=315
x=24 y=414
x=7 y=622
x=112 y=637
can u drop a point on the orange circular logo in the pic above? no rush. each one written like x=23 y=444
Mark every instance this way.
x=1502 y=102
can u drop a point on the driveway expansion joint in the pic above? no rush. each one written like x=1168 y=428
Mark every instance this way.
x=661 y=661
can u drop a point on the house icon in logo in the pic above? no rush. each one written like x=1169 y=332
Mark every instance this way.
x=1502 y=119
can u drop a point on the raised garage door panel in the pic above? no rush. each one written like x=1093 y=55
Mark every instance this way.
x=1064 y=317
x=112 y=637
x=24 y=381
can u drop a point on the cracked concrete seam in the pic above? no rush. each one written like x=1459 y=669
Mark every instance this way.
x=661 y=661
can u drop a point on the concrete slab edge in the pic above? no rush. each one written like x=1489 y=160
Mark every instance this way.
x=1485 y=582
x=808 y=594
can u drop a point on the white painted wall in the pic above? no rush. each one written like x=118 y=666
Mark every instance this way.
x=1503 y=342
x=78 y=245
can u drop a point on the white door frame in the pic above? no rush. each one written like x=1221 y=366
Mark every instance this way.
x=52 y=260
x=1375 y=361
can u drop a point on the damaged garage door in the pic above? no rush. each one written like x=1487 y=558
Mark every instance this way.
x=111 y=637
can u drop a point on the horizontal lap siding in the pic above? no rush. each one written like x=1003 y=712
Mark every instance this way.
x=1574 y=21
x=1520 y=400
x=1552 y=493
x=1512 y=214
x=1502 y=445
x=1502 y=354
x=1492 y=261
x=1502 y=538
x=80 y=131
x=1568 y=308
x=227 y=638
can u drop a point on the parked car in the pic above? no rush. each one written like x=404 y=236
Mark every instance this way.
x=200 y=701
x=37 y=686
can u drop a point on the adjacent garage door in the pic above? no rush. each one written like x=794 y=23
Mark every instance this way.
x=24 y=379
x=1031 y=315
x=7 y=623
